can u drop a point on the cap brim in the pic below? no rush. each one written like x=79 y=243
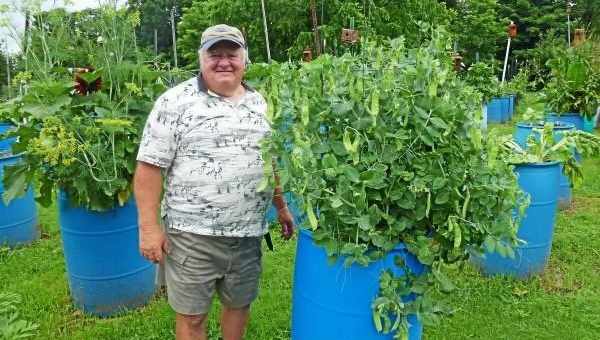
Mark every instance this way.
x=210 y=43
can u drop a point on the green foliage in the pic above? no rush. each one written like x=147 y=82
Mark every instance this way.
x=479 y=29
x=520 y=84
x=533 y=19
x=482 y=77
x=543 y=146
x=286 y=19
x=575 y=83
x=82 y=143
x=12 y=327
x=384 y=147
x=290 y=25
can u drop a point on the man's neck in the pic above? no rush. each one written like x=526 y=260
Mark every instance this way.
x=232 y=96
x=232 y=93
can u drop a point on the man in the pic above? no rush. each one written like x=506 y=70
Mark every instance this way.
x=203 y=135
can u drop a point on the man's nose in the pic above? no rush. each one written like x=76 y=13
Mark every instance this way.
x=223 y=62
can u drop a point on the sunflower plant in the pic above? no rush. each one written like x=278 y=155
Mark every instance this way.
x=383 y=147
x=78 y=120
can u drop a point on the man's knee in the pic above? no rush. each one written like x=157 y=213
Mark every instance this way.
x=192 y=321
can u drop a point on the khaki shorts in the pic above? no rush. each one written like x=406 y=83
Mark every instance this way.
x=199 y=265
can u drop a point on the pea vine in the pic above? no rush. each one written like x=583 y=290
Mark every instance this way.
x=383 y=147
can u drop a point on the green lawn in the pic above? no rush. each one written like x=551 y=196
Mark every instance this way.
x=564 y=303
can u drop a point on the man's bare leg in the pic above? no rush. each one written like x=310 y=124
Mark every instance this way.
x=190 y=327
x=233 y=322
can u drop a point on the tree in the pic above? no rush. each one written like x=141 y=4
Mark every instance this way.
x=479 y=29
x=534 y=19
x=285 y=19
x=290 y=26
x=156 y=15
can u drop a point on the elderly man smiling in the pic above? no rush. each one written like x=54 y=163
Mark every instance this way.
x=203 y=137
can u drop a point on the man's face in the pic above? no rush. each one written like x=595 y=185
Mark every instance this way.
x=223 y=65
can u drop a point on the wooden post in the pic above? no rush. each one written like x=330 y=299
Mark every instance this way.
x=307 y=55
x=579 y=37
x=173 y=35
x=315 y=24
x=155 y=42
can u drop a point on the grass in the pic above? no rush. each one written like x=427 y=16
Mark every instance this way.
x=564 y=302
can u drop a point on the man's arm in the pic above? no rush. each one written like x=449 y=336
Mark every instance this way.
x=285 y=217
x=147 y=187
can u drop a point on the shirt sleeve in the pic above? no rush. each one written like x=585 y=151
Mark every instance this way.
x=159 y=139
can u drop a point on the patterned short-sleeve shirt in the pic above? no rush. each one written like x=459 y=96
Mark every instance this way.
x=209 y=149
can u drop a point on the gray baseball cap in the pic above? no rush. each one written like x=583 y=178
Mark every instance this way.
x=221 y=32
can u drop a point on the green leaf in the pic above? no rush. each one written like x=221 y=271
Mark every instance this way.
x=336 y=202
x=15 y=182
x=329 y=161
x=439 y=182
x=102 y=112
x=426 y=139
x=338 y=148
x=364 y=222
x=351 y=173
x=439 y=123
x=442 y=197
x=372 y=178
x=342 y=108
x=312 y=218
x=263 y=185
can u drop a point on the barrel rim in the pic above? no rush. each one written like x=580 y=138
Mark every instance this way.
x=539 y=165
x=558 y=125
x=566 y=114
x=308 y=233
x=10 y=156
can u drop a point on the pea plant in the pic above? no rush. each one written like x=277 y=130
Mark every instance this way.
x=383 y=147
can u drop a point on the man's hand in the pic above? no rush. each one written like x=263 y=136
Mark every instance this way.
x=153 y=243
x=287 y=222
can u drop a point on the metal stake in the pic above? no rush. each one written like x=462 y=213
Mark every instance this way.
x=506 y=60
x=264 y=15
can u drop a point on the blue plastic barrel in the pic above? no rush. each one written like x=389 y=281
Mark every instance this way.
x=495 y=111
x=589 y=124
x=334 y=302
x=106 y=272
x=571 y=117
x=540 y=181
x=18 y=224
x=522 y=133
x=512 y=106
x=5 y=143
x=506 y=108
x=525 y=129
